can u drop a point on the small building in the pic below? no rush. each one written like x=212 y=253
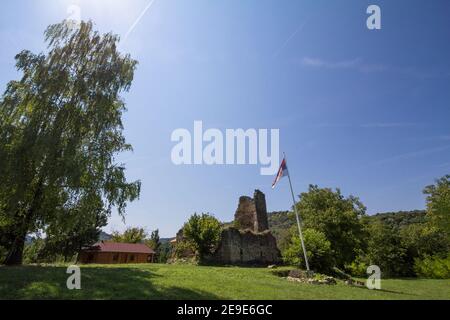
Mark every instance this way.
x=114 y=252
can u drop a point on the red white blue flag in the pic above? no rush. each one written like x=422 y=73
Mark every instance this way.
x=283 y=171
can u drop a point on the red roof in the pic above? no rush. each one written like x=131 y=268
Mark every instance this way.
x=122 y=247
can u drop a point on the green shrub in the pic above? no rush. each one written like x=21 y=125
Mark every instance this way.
x=357 y=268
x=338 y=217
x=203 y=233
x=318 y=250
x=386 y=251
x=183 y=249
x=32 y=253
x=433 y=267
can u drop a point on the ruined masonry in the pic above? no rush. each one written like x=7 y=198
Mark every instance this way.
x=249 y=241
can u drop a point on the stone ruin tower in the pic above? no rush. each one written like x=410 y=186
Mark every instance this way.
x=251 y=213
x=249 y=240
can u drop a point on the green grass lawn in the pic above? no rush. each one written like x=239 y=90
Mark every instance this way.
x=157 y=281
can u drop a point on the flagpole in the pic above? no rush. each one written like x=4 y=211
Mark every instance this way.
x=298 y=219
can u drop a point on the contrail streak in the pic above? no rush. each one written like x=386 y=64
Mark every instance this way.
x=300 y=28
x=139 y=19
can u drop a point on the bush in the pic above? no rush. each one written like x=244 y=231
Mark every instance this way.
x=358 y=268
x=433 y=267
x=386 y=251
x=202 y=233
x=38 y=251
x=318 y=250
x=338 y=217
x=165 y=251
x=183 y=249
x=32 y=253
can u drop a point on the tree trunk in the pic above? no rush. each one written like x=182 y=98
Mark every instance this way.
x=19 y=232
x=18 y=236
x=15 y=254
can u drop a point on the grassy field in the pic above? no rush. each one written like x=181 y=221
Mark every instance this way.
x=158 y=281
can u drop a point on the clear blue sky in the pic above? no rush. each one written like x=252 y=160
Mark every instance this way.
x=366 y=111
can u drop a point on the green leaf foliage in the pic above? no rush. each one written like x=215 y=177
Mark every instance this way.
x=130 y=235
x=202 y=232
x=60 y=130
x=318 y=250
x=337 y=217
x=438 y=204
x=433 y=267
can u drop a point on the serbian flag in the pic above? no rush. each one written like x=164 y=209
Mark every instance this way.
x=283 y=171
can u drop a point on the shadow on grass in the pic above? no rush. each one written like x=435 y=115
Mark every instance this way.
x=49 y=282
x=386 y=291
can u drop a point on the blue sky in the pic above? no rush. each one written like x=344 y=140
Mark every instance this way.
x=366 y=111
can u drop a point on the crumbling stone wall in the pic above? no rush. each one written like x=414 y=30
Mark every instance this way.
x=249 y=241
x=261 y=221
x=251 y=213
x=246 y=247
x=245 y=215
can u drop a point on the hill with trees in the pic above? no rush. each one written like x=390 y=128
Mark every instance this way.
x=399 y=219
